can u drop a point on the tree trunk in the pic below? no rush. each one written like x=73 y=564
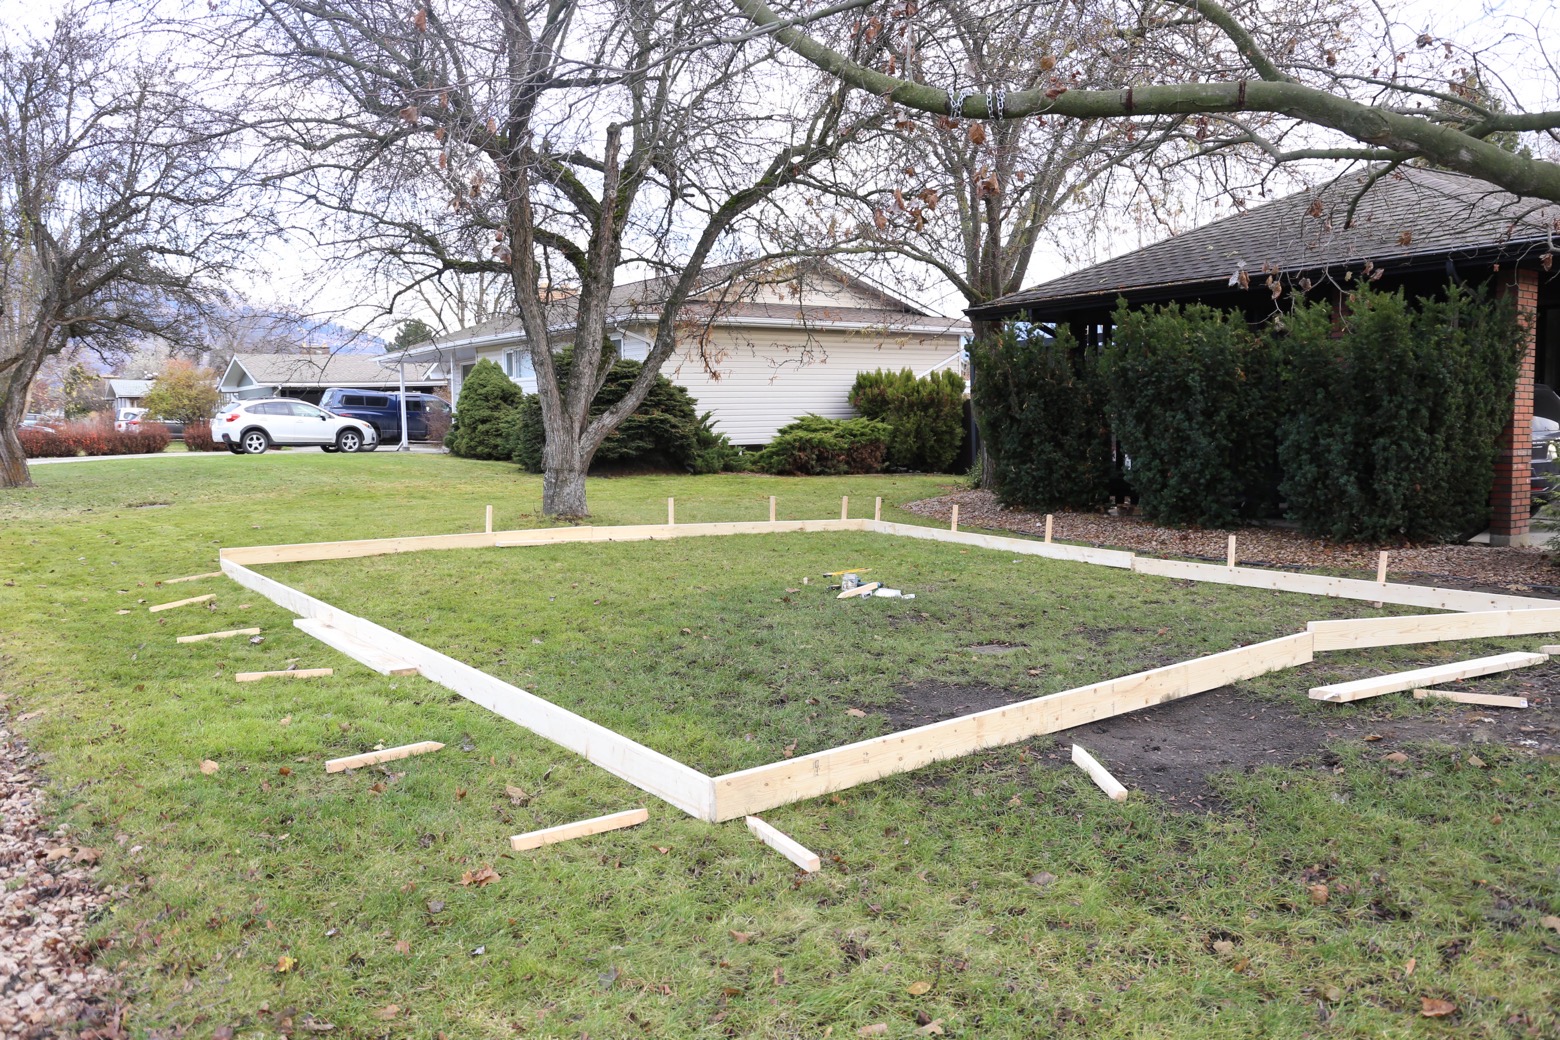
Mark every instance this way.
x=982 y=330
x=13 y=406
x=13 y=462
x=563 y=470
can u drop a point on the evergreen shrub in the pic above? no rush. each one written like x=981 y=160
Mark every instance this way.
x=927 y=415
x=1041 y=409
x=486 y=414
x=815 y=446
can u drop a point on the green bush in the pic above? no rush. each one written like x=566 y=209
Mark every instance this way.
x=664 y=432
x=927 y=415
x=815 y=446
x=486 y=414
x=1041 y=409
x=1390 y=425
x=1193 y=401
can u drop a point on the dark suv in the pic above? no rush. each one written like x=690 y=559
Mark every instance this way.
x=427 y=417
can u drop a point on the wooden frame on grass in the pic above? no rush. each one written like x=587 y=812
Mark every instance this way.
x=749 y=791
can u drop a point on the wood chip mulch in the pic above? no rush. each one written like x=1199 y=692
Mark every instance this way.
x=48 y=986
x=1520 y=570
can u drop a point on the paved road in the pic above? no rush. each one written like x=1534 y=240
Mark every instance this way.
x=416 y=449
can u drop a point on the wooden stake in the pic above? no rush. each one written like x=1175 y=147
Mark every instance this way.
x=1381 y=569
x=877 y=509
x=487 y=527
x=373 y=758
x=788 y=847
x=182 y=602
x=953 y=522
x=671 y=512
x=565 y=831
x=1229 y=560
x=1099 y=774
x=1048 y=528
x=192 y=577
x=296 y=673
x=1493 y=700
x=844 y=507
x=219 y=635
x=771 y=508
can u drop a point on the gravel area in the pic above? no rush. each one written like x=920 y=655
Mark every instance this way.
x=1512 y=569
x=48 y=986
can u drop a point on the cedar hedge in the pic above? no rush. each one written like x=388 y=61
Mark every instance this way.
x=815 y=446
x=927 y=415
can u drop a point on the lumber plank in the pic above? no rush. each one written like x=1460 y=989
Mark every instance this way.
x=364 y=653
x=1336 y=588
x=584 y=828
x=182 y=602
x=860 y=590
x=230 y=633
x=1431 y=628
x=1396 y=682
x=1022 y=546
x=753 y=790
x=293 y=673
x=252 y=555
x=649 y=770
x=192 y=577
x=1493 y=700
x=784 y=844
x=1099 y=774
x=373 y=758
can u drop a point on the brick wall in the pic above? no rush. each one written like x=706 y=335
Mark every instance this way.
x=1511 y=497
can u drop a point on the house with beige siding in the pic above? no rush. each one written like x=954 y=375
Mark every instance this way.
x=756 y=350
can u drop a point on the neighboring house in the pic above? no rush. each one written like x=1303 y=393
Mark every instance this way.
x=126 y=393
x=306 y=376
x=1413 y=229
x=756 y=350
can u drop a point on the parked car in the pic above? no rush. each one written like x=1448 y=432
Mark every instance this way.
x=128 y=420
x=1546 y=451
x=251 y=427
x=427 y=416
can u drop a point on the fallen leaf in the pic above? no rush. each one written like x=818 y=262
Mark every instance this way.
x=208 y=767
x=286 y=721
x=1551 y=922
x=875 y=1029
x=1371 y=738
x=222 y=1033
x=932 y=1028
x=1435 y=1007
x=86 y=855
x=403 y=947
x=460 y=792
x=410 y=886
x=377 y=788
x=478 y=951
x=1042 y=879
x=1223 y=947
x=662 y=849
x=285 y=964
x=1396 y=756
x=742 y=937
x=387 y=1013
x=485 y=876
x=1333 y=994
x=1410 y=964
x=435 y=906
x=857 y=713
x=517 y=795
x=1318 y=893
x=1476 y=762
x=1240 y=966
x=919 y=987
x=315 y=1025
x=789 y=749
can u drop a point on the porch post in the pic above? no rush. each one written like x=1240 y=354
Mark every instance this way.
x=1511 y=499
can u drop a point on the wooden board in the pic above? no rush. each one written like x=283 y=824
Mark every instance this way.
x=566 y=831
x=1377 y=685
x=860 y=590
x=787 y=846
x=764 y=787
x=373 y=758
x=253 y=555
x=219 y=635
x=364 y=653
x=1099 y=774
x=183 y=602
x=1337 y=588
x=192 y=577
x=1492 y=700
x=1431 y=628
x=294 y=673
x=657 y=532
x=1022 y=546
x=650 y=771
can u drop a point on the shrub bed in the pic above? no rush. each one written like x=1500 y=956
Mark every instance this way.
x=486 y=415
x=92 y=438
x=815 y=446
x=926 y=415
x=197 y=437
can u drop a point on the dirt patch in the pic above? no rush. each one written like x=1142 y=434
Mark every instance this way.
x=1170 y=750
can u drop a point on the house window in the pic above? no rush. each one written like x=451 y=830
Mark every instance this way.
x=517 y=364
x=630 y=348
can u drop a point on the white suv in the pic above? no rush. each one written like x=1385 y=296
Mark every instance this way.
x=250 y=427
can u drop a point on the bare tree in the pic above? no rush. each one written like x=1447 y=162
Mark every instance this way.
x=1388 y=94
x=549 y=142
x=111 y=183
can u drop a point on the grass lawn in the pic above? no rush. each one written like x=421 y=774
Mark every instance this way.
x=995 y=895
